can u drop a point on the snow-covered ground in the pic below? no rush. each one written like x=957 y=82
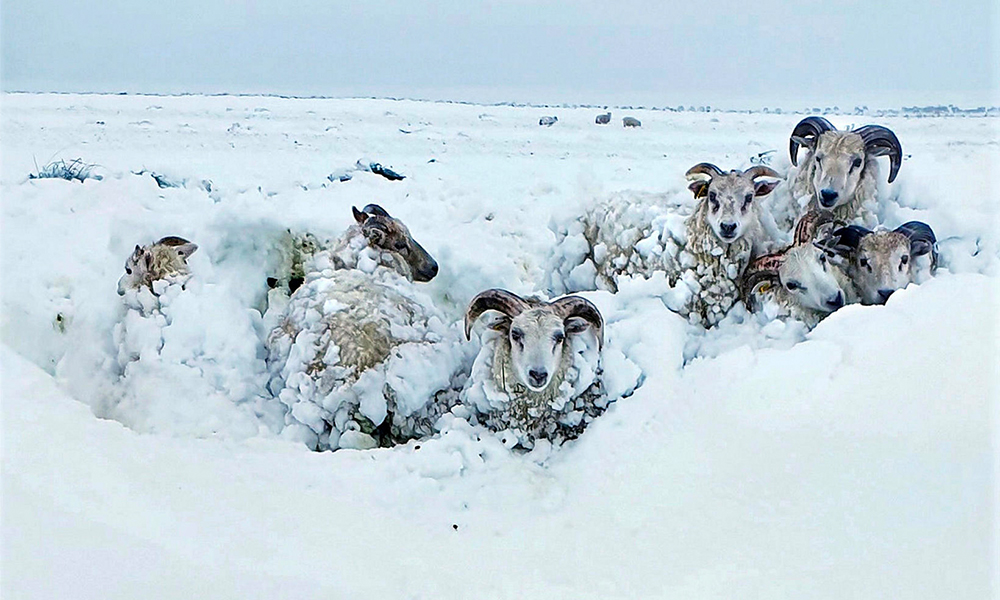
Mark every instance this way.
x=860 y=460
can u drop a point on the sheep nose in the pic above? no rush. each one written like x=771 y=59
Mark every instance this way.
x=727 y=229
x=884 y=294
x=828 y=197
x=537 y=377
x=836 y=302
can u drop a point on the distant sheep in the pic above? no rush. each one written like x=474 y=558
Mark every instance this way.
x=631 y=122
x=538 y=374
x=603 y=119
x=359 y=357
x=548 y=121
x=802 y=281
x=703 y=252
x=883 y=261
x=164 y=260
x=840 y=171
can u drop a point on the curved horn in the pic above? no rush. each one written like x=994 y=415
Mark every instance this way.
x=703 y=169
x=173 y=240
x=881 y=141
x=921 y=236
x=810 y=224
x=845 y=239
x=761 y=269
x=807 y=132
x=499 y=300
x=581 y=308
x=761 y=171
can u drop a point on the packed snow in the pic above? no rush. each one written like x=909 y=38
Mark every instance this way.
x=146 y=452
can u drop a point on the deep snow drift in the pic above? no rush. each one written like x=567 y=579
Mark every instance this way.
x=755 y=460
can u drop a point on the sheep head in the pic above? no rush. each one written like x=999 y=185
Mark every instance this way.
x=536 y=331
x=881 y=261
x=728 y=197
x=803 y=272
x=388 y=234
x=838 y=158
x=147 y=264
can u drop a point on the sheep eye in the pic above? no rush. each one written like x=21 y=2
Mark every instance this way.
x=747 y=200
x=400 y=245
x=792 y=286
x=905 y=259
x=128 y=270
x=713 y=202
x=559 y=337
x=856 y=163
x=819 y=158
x=517 y=335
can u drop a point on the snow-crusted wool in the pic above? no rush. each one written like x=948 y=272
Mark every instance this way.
x=573 y=398
x=362 y=359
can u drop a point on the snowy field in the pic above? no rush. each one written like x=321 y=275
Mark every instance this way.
x=858 y=460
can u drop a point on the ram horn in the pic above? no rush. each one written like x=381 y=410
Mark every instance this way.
x=761 y=171
x=806 y=133
x=581 y=308
x=763 y=269
x=881 y=141
x=810 y=224
x=499 y=300
x=703 y=169
x=921 y=236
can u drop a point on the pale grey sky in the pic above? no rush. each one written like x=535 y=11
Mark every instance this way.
x=726 y=53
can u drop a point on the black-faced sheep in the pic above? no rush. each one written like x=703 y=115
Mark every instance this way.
x=883 y=261
x=840 y=170
x=538 y=373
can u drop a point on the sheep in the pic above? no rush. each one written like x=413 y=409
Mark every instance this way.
x=375 y=240
x=165 y=260
x=883 y=261
x=840 y=170
x=802 y=281
x=359 y=356
x=538 y=373
x=548 y=121
x=706 y=250
x=187 y=353
x=631 y=122
x=603 y=119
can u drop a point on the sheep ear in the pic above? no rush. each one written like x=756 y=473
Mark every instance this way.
x=501 y=324
x=359 y=216
x=699 y=189
x=576 y=325
x=763 y=188
x=186 y=250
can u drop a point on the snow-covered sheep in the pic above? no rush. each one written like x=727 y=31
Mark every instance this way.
x=702 y=253
x=603 y=119
x=359 y=356
x=631 y=122
x=883 y=261
x=840 y=171
x=164 y=260
x=548 y=121
x=538 y=372
x=187 y=353
x=803 y=281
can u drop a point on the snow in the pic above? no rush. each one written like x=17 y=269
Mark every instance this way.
x=755 y=460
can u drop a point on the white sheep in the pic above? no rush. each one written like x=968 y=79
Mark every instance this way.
x=538 y=372
x=548 y=121
x=803 y=281
x=359 y=356
x=631 y=122
x=166 y=260
x=840 y=171
x=702 y=253
x=882 y=261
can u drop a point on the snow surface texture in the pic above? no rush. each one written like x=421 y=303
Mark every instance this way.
x=755 y=460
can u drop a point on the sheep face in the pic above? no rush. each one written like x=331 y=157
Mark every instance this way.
x=837 y=165
x=167 y=257
x=729 y=200
x=881 y=265
x=808 y=277
x=388 y=234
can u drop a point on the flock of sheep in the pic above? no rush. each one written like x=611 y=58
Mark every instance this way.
x=348 y=323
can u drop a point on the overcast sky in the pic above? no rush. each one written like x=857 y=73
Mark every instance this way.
x=728 y=54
